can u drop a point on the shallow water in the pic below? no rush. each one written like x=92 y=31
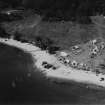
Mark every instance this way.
x=21 y=82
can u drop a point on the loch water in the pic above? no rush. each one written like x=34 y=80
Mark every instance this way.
x=21 y=82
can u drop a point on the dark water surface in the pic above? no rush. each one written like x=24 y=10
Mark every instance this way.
x=21 y=83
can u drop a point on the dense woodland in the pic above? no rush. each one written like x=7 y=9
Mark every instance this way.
x=54 y=10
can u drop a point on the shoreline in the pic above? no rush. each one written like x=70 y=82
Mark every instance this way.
x=62 y=72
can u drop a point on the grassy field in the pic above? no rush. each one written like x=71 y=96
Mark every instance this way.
x=63 y=34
